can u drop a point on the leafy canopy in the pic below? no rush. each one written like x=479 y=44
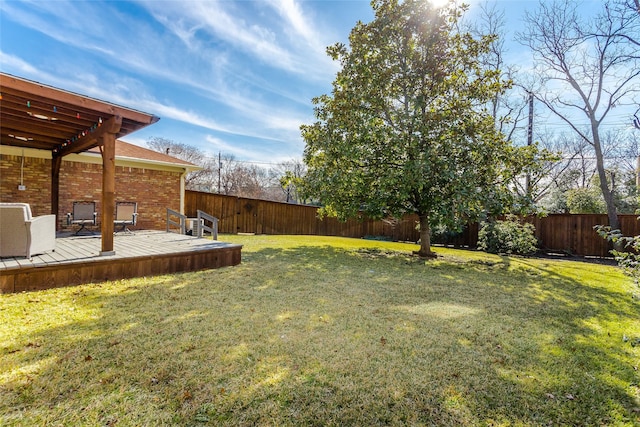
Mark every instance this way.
x=406 y=128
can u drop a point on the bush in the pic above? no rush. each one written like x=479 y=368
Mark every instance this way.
x=628 y=260
x=585 y=201
x=507 y=237
x=441 y=234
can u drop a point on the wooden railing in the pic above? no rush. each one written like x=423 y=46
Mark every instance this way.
x=199 y=224
x=181 y=223
x=203 y=218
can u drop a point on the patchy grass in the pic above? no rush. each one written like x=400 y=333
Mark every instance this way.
x=329 y=331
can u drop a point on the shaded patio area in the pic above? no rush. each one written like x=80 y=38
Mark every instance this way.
x=77 y=260
x=42 y=117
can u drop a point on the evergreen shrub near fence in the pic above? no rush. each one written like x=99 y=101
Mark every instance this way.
x=507 y=237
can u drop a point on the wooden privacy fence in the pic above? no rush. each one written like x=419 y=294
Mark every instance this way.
x=241 y=215
x=568 y=233
x=572 y=234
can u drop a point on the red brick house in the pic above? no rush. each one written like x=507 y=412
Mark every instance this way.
x=154 y=180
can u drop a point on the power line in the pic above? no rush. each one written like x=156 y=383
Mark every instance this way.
x=255 y=162
x=604 y=158
x=603 y=124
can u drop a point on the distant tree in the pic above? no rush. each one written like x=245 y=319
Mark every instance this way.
x=188 y=153
x=587 y=68
x=507 y=108
x=238 y=179
x=510 y=108
x=407 y=128
x=576 y=172
x=291 y=177
x=585 y=201
x=226 y=168
x=625 y=189
x=574 y=169
x=244 y=179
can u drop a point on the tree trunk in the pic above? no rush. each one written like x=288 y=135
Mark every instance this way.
x=425 y=238
x=612 y=214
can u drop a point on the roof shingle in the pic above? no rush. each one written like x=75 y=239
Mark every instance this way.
x=124 y=149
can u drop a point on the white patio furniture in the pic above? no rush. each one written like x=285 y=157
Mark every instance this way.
x=22 y=235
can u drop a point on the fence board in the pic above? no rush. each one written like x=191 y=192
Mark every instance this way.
x=572 y=234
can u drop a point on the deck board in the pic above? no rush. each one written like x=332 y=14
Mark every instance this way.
x=77 y=260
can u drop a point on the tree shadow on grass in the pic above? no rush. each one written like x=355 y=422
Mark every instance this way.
x=320 y=336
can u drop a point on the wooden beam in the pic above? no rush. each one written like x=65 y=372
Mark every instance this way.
x=9 y=83
x=33 y=131
x=91 y=139
x=108 y=143
x=7 y=140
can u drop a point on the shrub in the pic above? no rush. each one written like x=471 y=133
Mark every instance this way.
x=585 y=201
x=444 y=235
x=507 y=237
x=628 y=260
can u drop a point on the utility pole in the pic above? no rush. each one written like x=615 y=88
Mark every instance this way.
x=219 y=170
x=529 y=141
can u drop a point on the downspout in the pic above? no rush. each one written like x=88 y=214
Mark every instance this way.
x=183 y=189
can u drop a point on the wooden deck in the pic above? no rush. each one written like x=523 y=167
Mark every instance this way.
x=77 y=260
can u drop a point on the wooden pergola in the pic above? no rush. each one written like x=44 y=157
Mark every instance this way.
x=33 y=115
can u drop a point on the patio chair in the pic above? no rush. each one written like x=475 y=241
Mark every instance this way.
x=84 y=213
x=126 y=214
x=23 y=235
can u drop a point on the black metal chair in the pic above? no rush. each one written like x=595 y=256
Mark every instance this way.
x=126 y=214
x=84 y=213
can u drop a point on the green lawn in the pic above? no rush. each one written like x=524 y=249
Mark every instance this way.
x=329 y=331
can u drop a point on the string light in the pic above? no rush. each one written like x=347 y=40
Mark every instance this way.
x=79 y=135
x=73 y=139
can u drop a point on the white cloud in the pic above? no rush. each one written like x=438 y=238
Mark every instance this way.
x=246 y=69
x=67 y=22
x=204 y=25
x=12 y=62
x=212 y=18
x=218 y=145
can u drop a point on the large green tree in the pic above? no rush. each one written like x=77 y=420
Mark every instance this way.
x=406 y=128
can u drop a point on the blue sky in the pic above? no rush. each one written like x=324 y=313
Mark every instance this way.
x=230 y=76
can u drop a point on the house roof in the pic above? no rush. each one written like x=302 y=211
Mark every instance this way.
x=125 y=152
x=135 y=152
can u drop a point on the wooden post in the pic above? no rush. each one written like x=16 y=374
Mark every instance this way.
x=108 y=191
x=56 y=161
x=107 y=141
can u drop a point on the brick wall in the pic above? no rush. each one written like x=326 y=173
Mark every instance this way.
x=153 y=190
x=37 y=178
